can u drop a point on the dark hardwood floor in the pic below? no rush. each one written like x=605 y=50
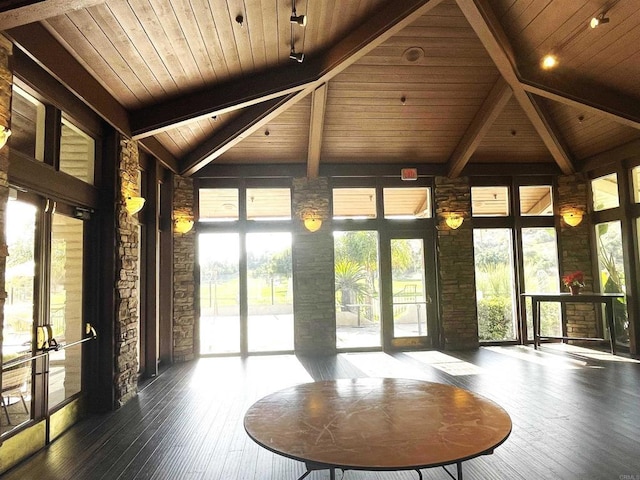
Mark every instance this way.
x=575 y=412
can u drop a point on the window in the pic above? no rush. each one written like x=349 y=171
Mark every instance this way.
x=489 y=201
x=407 y=203
x=605 y=192
x=635 y=174
x=536 y=200
x=27 y=125
x=354 y=203
x=77 y=153
x=268 y=204
x=218 y=204
x=495 y=296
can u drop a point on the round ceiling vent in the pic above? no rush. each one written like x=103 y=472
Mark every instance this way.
x=413 y=54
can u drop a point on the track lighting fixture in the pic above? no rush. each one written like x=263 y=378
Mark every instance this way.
x=298 y=57
x=295 y=18
x=598 y=20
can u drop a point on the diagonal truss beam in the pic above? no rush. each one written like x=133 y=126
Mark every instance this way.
x=492 y=107
x=484 y=22
x=251 y=120
x=588 y=96
x=264 y=86
x=31 y=11
x=316 y=128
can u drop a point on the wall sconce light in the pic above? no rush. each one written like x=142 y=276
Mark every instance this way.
x=453 y=220
x=182 y=224
x=599 y=20
x=572 y=217
x=5 y=133
x=134 y=204
x=312 y=221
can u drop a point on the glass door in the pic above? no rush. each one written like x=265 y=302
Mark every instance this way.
x=409 y=317
x=45 y=328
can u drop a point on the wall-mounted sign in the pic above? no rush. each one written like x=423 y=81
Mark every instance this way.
x=409 y=174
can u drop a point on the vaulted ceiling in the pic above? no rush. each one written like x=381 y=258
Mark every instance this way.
x=455 y=84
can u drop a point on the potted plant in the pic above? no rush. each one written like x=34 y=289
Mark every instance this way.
x=575 y=281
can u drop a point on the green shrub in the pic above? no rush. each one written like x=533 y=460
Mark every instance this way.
x=494 y=319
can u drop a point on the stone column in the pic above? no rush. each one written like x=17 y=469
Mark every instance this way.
x=458 y=310
x=575 y=252
x=313 y=271
x=184 y=275
x=126 y=328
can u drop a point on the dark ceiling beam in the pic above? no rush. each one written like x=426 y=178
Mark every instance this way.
x=38 y=44
x=579 y=93
x=223 y=98
x=488 y=29
x=316 y=129
x=152 y=146
x=249 y=121
x=291 y=78
x=37 y=10
x=492 y=107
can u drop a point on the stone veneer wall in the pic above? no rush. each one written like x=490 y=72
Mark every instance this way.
x=184 y=275
x=313 y=277
x=575 y=252
x=6 y=80
x=128 y=275
x=456 y=268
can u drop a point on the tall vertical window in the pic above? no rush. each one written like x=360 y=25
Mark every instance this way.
x=18 y=314
x=65 y=298
x=357 y=289
x=611 y=271
x=495 y=296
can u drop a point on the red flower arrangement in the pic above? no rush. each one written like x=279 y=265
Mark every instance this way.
x=573 y=278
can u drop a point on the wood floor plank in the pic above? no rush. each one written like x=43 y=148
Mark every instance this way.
x=575 y=413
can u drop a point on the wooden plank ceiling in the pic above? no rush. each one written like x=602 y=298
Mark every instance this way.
x=449 y=83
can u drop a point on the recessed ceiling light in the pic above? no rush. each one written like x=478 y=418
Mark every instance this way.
x=549 y=62
x=413 y=54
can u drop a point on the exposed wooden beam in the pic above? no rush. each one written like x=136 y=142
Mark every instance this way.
x=164 y=156
x=248 y=122
x=44 y=49
x=488 y=29
x=482 y=122
x=37 y=43
x=240 y=93
x=219 y=99
x=579 y=93
x=31 y=11
x=318 y=106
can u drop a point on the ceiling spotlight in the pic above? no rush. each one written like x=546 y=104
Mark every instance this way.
x=549 y=62
x=295 y=18
x=299 y=19
x=240 y=20
x=599 y=20
x=298 y=57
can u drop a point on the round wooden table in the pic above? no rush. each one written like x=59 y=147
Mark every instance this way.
x=377 y=424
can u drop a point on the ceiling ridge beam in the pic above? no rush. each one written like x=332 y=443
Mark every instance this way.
x=491 y=34
x=491 y=108
x=32 y=11
x=316 y=130
x=240 y=93
x=249 y=121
